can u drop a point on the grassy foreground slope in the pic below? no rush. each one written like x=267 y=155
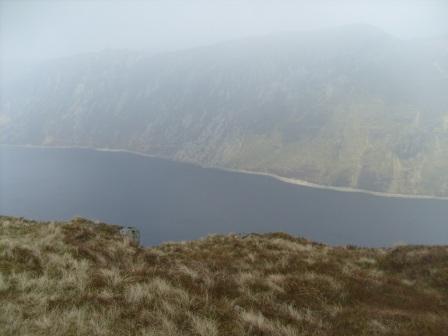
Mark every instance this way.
x=82 y=278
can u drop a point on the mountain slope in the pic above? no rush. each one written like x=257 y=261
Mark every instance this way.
x=80 y=278
x=351 y=107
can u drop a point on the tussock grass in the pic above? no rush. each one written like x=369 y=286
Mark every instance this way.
x=82 y=278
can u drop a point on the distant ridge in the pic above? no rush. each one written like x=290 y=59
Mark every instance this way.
x=349 y=107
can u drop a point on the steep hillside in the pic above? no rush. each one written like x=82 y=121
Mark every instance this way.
x=80 y=278
x=351 y=107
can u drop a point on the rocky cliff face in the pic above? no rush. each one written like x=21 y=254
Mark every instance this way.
x=350 y=107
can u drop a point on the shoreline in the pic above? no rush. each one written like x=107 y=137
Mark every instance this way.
x=242 y=171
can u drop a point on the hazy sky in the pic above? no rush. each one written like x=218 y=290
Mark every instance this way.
x=46 y=29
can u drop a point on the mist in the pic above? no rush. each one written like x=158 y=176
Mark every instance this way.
x=38 y=30
x=212 y=167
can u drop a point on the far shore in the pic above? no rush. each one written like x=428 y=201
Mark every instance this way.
x=277 y=177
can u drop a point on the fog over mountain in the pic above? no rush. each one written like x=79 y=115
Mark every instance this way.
x=348 y=93
x=46 y=29
x=351 y=106
x=305 y=141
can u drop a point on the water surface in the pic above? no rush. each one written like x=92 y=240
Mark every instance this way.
x=168 y=200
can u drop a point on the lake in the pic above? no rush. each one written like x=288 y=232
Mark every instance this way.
x=169 y=200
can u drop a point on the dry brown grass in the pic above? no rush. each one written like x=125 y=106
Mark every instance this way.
x=81 y=278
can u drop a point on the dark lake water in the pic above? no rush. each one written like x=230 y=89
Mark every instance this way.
x=175 y=201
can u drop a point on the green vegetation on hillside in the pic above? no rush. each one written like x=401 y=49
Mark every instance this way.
x=81 y=278
x=350 y=107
